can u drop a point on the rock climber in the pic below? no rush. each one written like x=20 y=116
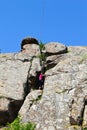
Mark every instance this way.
x=41 y=80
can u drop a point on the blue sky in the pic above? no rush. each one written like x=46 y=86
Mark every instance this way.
x=63 y=21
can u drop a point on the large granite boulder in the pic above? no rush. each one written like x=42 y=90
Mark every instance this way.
x=53 y=48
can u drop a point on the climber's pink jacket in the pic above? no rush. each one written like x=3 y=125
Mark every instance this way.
x=41 y=76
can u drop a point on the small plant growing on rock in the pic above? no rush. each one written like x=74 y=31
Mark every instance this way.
x=41 y=46
x=17 y=125
x=42 y=55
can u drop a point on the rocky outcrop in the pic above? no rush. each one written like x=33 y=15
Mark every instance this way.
x=16 y=69
x=62 y=104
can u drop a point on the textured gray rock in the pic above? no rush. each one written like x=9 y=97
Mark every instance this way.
x=30 y=46
x=13 y=77
x=14 y=85
x=62 y=105
x=36 y=67
x=30 y=99
x=55 y=48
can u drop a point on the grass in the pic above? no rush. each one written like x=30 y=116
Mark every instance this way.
x=41 y=46
x=17 y=125
x=42 y=57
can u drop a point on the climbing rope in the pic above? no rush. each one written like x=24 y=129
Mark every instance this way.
x=43 y=17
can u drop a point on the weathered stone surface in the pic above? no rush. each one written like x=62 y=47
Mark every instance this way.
x=63 y=94
x=36 y=67
x=63 y=101
x=30 y=46
x=32 y=49
x=14 y=86
x=13 y=77
x=30 y=99
x=55 y=48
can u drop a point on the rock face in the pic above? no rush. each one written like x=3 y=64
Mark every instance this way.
x=15 y=71
x=62 y=104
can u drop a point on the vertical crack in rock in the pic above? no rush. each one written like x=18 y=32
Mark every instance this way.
x=33 y=74
x=27 y=85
